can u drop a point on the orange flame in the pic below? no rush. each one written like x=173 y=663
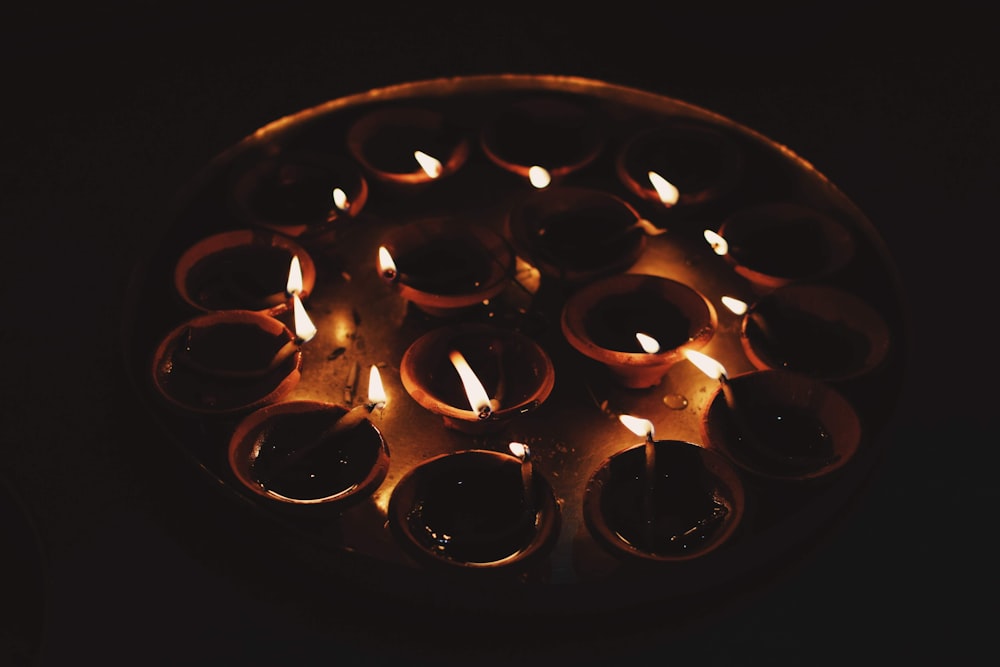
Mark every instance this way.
x=539 y=177
x=649 y=344
x=304 y=327
x=706 y=364
x=736 y=306
x=340 y=199
x=637 y=425
x=376 y=392
x=479 y=400
x=431 y=165
x=520 y=450
x=294 y=283
x=719 y=244
x=386 y=265
x=665 y=190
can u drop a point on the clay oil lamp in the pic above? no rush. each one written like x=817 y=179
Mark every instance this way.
x=637 y=325
x=543 y=138
x=227 y=362
x=575 y=234
x=663 y=500
x=445 y=266
x=407 y=146
x=776 y=244
x=311 y=453
x=779 y=424
x=299 y=193
x=477 y=377
x=820 y=331
x=474 y=511
x=242 y=270
x=682 y=164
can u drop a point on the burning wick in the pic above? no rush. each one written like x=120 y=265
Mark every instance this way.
x=645 y=427
x=739 y=307
x=386 y=265
x=539 y=177
x=648 y=344
x=719 y=244
x=474 y=390
x=665 y=190
x=304 y=327
x=431 y=165
x=714 y=370
x=521 y=451
x=340 y=199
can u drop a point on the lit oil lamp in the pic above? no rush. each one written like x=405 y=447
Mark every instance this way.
x=543 y=138
x=469 y=511
x=445 y=266
x=227 y=362
x=477 y=377
x=312 y=453
x=407 y=146
x=577 y=234
x=299 y=193
x=820 y=331
x=242 y=270
x=663 y=500
x=683 y=164
x=778 y=424
x=772 y=245
x=637 y=325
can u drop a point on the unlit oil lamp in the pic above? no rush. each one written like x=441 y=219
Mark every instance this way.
x=637 y=325
x=445 y=266
x=778 y=424
x=474 y=510
x=543 y=138
x=299 y=193
x=227 y=362
x=242 y=270
x=477 y=377
x=576 y=234
x=776 y=244
x=820 y=331
x=663 y=500
x=312 y=453
x=682 y=163
x=407 y=146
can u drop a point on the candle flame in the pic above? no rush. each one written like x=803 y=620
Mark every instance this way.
x=340 y=199
x=719 y=244
x=649 y=344
x=639 y=426
x=376 y=392
x=520 y=450
x=304 y=327
x=665 y=190
x=386 y=266
x=431 y=165
x=294 y=284
x=479 y=400
x=736 y=306
x=539 y=177
x=706 y=364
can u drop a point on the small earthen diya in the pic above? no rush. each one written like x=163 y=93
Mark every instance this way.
x=477 y=377
x=241 y=270
x=471 y=510
x=776 y=244
x=820 y=331
x=299 y=193
x=665 y=500
x=782 y=425
x=444 y=266
x=309 y=453
x=544 y=134
x=407 y=146
x=637 y=325
x=577 y=234
x=683 y=163
x=226 y=362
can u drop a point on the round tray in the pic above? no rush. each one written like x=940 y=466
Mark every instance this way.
x=362 y=321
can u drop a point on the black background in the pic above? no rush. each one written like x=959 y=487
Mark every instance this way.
x=109 y=110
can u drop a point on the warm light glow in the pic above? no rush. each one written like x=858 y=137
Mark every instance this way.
x=649 y=344
x=706 y=364
x=294 y=284
x=719 y=244
x=637 y=425
x=474 y=390
x=376 y=392
x=539 y=177
x=431 y=166
x=386 y=266
x=665 y=190
x=520 y=450
x=304 y=328
x=340 y=199
x=736 y=306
